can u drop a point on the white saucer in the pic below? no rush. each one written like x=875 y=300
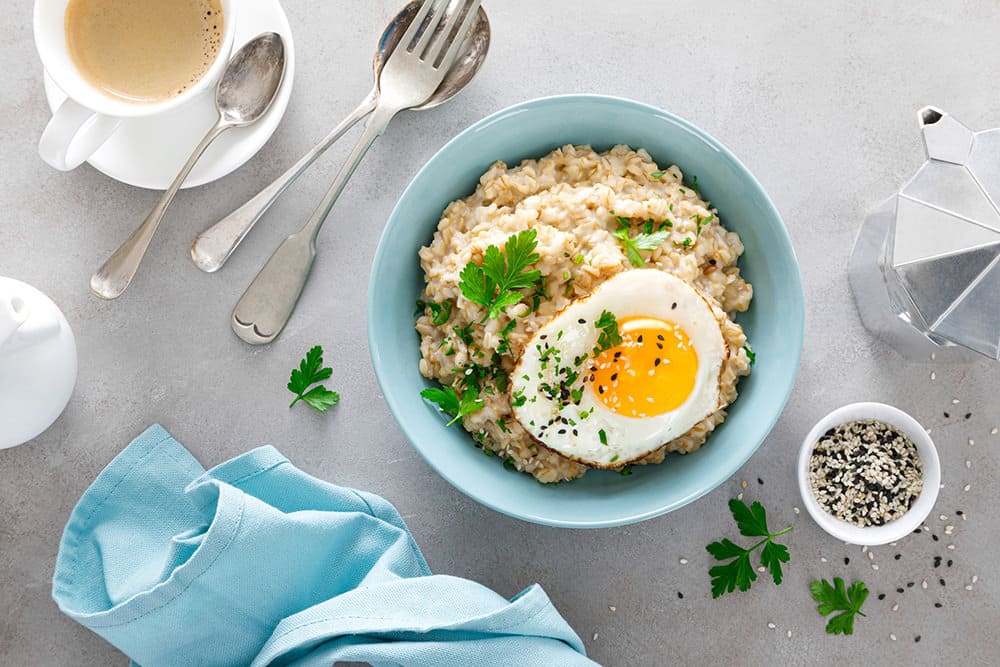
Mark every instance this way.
x=148 y=152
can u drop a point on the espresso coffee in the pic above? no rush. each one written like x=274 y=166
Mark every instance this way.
x=143 y=51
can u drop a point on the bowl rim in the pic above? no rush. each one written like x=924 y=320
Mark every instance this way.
x=918 y=512
x=540 y=102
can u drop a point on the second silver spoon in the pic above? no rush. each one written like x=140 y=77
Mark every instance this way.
x=244 y=94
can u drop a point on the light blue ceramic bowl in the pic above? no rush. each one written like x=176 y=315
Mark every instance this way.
x=774 y=323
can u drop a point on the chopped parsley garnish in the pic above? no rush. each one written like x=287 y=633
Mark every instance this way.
x=739 y=572
x=750 y=355
x=608 y=336
x=309 y=372
x=440 y=312
x=837 y=597
x=578 y=259
x=518 y=399
x=603 y=437
x=626 y=471
x=641 y=241
x=509 y=463
x=494 y=284
x=656 y=175
x=464 y=333
x=450 y=402
x=613 y=458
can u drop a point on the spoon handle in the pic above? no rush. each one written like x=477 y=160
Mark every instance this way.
x=268 y=302
x=213 y=246
x=115 y=274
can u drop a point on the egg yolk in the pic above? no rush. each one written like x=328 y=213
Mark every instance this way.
x=651 y=372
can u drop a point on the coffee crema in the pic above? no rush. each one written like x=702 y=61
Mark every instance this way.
x=143 y=51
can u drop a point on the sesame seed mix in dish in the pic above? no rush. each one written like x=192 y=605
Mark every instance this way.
x=579 y=313
x=865 y=472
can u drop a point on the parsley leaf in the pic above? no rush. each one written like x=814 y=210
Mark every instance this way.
x=450 y=402
x=494 y=283
x=309 y=372
x=750 y=355
x=739 y=572
x=641 y=241
x=836 y=597
x=609 y=336
x=658 y=174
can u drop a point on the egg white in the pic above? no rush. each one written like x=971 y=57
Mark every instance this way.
x=638 y=292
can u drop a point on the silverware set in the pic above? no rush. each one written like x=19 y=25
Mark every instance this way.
x=426 y=55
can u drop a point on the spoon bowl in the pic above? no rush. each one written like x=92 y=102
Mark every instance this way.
x=251 y=80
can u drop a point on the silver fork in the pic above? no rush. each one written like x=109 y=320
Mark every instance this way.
x=409 y=77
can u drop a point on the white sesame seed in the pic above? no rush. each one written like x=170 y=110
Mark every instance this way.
x=933 y=375
x=943 y=517
x=613 y=608
x=789 y=634
x=822 y=559
x=995 y=431
x=892 y=636
x=762 y=569
x=975 y=578
x=926 y=529
x=933 y=356
x=864 y=548
x=871 y=555
x=923 y=584
x=795 y=509
x=972 y=443
x=874 y=566
x=968 y=463
x=595 y=636
x=684 y=561
x=951 y=547
x=895 y=607
x=965 y=517
x=954 y=401
x=739 y=497
x=966 y=487
x=968 y=587
x=771 y=625
x=928 y=431
x=892 y=544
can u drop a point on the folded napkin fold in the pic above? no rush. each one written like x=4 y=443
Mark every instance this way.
x=256 y=563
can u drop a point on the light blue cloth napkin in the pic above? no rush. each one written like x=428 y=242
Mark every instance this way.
x=256 y=563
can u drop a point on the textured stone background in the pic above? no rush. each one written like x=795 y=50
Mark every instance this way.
x=818 y=99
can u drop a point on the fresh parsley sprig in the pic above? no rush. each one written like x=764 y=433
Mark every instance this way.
x=837 y=597
x=739 y=572
x=608 y=336
x=309 y=372
x=451 y=403
x=495 y=283
x=641 y=241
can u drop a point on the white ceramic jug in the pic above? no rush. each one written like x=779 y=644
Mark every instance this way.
x=37 y=362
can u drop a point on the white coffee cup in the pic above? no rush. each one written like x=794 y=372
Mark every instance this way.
x=89 y=117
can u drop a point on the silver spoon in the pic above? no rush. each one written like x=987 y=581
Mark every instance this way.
x=243 y=94
x=213 y=246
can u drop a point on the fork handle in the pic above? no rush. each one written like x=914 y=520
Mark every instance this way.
x=269 y=300
x=213 y=247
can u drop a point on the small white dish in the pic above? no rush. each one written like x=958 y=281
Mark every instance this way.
x=148 y=152
x=921 y=508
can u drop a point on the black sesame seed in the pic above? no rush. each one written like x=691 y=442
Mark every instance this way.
x=847 y=561
x=959 y=512
x=659 y=337
x=673 y=306
x=600 y=389
x=582 y=321
x=543 y=337
x=909 y=584
x=712 y=262
x=938 y=605
x=941 y=581
x=898 y=556
x=899 y=590
x=881 y=596
x=950 y=561
x=680 y=595
x=575 y=433
x=562 y=431
x=657 y=362
x=760 y=481
x=935 y=538
x=916 y=532
x=614 y=376
x=968 y=415
x=917 y=639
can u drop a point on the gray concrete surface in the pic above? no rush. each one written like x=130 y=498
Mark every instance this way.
x=819 y=99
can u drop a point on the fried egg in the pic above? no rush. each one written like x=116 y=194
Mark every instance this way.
x=603 y=401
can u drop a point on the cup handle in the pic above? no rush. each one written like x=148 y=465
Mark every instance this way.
x=73 y=134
